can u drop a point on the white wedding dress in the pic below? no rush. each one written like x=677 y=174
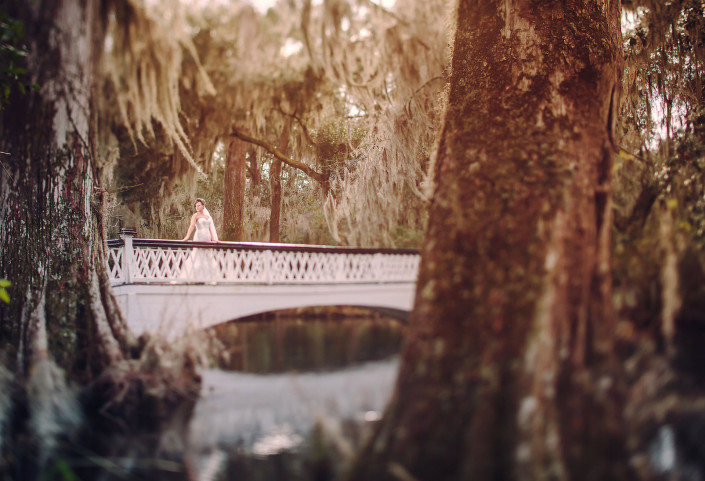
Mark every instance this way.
x=201 y=265
x=203 y=229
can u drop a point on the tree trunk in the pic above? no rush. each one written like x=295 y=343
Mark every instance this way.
x=275 y=183
x=53 y=247
x=253 y=168
x=507 y=371
x=62 y=317
x=234 y=190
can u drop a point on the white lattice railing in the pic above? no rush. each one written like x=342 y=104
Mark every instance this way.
x=133 y=260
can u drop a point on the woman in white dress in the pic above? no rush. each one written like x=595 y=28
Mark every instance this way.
x=201 y=264
x=203 y=222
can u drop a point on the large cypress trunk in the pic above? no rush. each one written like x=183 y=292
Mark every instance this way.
x=507 y=372
x=50 y=226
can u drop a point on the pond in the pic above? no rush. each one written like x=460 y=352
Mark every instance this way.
x=285 y=398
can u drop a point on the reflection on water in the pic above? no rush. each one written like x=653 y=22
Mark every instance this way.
x=287 y=400
x=299 y=344
x=258 y=413
x=286 y=387
x=241 y=416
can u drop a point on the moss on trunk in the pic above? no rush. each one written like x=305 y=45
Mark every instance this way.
x=51 y=233
x=507 y=373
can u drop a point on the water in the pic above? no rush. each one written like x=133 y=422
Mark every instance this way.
x=284 y=399
x=255 y=415
x=265 y=414
x=300 y=344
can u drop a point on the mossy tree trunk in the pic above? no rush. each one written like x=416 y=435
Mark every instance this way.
x=253 y=168
x=234 y=190
x=275 y=184
x=53 y=247
x=508 y=370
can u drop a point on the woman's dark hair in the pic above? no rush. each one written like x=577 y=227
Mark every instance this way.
x=198 y=199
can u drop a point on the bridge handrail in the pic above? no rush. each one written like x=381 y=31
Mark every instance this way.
x=137 y=261
x=260 y=246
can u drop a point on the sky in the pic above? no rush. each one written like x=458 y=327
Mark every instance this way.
x=263 y=5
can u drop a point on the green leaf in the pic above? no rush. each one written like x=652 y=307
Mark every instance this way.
x=4 y=296
x=18 y=52
x=625 y=155
x=5 y=283
x=64 y=471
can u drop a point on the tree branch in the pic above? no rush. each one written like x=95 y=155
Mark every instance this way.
x=300 y=121
x=380 y=8
x=117 y=189
x=317 y=176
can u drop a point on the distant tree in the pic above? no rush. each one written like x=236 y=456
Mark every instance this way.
x=234 y=190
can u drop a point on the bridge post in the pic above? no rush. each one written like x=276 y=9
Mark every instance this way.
x=126 y=235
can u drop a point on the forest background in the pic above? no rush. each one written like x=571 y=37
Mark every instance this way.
x=359 y=110
x=321 y=123
x=355 y=93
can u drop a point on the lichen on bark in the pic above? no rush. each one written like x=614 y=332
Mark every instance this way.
x=512 y=280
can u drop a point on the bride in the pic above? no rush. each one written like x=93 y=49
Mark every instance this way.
x=201 y=265
x=203 y=222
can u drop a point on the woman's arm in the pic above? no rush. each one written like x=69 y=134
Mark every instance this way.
x=190 y=227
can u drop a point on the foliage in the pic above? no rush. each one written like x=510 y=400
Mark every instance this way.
x=365 y=97
x=394 y=78
x=143 y=63
x=665 y=59
x=12 y=54
x=659 y=182
x=4 y=296
x=61 y=470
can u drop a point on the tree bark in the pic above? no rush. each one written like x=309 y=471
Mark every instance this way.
x=253 y=167
x=234 y=190
x=275 y=183
x=507 y=371
x=52 y=236
x=275 y=186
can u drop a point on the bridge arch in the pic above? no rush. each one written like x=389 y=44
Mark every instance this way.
x=174 y=309
x=328 y=313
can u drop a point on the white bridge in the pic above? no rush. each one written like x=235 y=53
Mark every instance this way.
x=172 y=287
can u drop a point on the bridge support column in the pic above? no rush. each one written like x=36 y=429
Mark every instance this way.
x=127 y=253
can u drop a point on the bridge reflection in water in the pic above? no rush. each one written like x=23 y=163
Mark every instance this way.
x=170 y=287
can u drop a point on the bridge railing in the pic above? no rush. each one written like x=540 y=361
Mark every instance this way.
x=141 y=261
